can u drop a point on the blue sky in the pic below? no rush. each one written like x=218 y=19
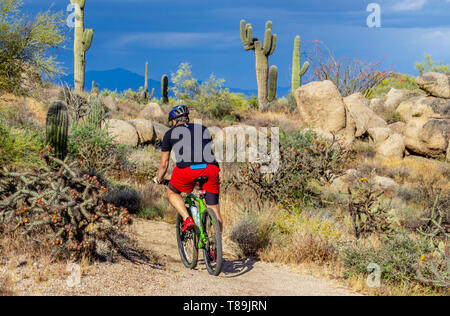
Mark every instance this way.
x=205 y=33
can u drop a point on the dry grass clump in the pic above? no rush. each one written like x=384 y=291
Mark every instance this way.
x=251 y=234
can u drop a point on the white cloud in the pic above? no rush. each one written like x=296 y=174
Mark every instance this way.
x=410 y=5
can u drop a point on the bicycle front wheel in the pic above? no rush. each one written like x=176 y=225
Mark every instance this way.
x=212 y=250
x=187 y=245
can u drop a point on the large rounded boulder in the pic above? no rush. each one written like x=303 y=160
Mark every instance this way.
x=427 y=125
x=123 y=132
x=436 y=84
x=145 y=130
x=321 y=106
x=362 y=115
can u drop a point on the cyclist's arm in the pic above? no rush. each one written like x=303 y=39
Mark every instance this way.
x=163 y=165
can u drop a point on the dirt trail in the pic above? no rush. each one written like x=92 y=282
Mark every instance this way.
x=239 y=276
x=169 y=276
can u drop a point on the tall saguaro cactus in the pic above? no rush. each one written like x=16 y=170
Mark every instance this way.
x=165 y=89
x=262 y=53
x=57 y=128
x=82 y=42
x=145 y=94
x=297 y=70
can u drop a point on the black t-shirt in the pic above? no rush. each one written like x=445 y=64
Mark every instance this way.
x=191 y=143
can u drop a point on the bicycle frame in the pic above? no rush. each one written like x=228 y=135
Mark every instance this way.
x=189 y=199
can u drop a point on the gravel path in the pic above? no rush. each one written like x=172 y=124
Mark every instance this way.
x=169 y=276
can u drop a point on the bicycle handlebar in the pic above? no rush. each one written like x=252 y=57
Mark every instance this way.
x=164 y=182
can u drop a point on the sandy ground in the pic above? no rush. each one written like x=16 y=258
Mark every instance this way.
x=168 y=276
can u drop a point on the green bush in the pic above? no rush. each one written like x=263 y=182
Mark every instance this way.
x=27 y=45
x=209 y=97
x=397 y=258
x=393 y=117
x=19 y=146
x=429 y=65
x=394 y=80
x=91 y=143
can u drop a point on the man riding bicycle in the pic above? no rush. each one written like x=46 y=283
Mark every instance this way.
x=191 y=144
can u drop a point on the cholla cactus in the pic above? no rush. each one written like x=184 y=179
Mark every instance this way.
x=58 y=209
x=82 y=42
x=297 y=70
x=57 y=128
x=165 y=89
x=262 y=53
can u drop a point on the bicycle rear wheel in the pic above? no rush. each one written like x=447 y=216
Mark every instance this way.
x=187 y=245
x=212 y=251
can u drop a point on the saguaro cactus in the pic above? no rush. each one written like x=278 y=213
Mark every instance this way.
x=82 y=42
x=262 y=53
x=57 y=130
x=165 y=89
x=94 y=88
x=273 y=76
x=297 y=72
x=145 y=95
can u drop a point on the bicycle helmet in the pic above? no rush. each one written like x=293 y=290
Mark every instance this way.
x=178 y=111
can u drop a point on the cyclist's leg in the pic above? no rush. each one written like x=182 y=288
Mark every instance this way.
x=177 y=202
x=179 y=182
x=216 y=209
x=212 y=188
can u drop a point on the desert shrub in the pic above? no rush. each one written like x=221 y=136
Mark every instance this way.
x=392 y=117
x=434 y=268
x=78 y=104
x=397 y=258
x=125 y=196
x=368 y=212
x=394 y=80
x=429 y=65
x=251 y=234
x=299 y=238
x=26 y=44
x=348 y=74
x=437 y=218
x=364 y=148
x=310 y=246
x=57 y=209
x=209 y=97
x=151 y=213
x=303 y=159
x=290 y=222
x=19 y=146
x=90 y=142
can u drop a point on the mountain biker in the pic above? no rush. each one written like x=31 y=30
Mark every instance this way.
x=191 y=144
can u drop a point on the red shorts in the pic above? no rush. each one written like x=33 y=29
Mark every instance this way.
x=184 y=179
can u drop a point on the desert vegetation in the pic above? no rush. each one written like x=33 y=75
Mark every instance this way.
x=366 y=184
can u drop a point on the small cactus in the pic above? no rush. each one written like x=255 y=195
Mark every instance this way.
x=165 y=89
x=94 y=88
x=297 y=71
x=57 y=128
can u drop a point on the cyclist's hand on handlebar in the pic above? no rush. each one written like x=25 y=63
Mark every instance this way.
x=163 y=182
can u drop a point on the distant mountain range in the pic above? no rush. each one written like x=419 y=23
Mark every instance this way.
x=121 y=79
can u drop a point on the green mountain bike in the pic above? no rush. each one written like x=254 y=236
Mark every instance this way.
x=206 y=236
